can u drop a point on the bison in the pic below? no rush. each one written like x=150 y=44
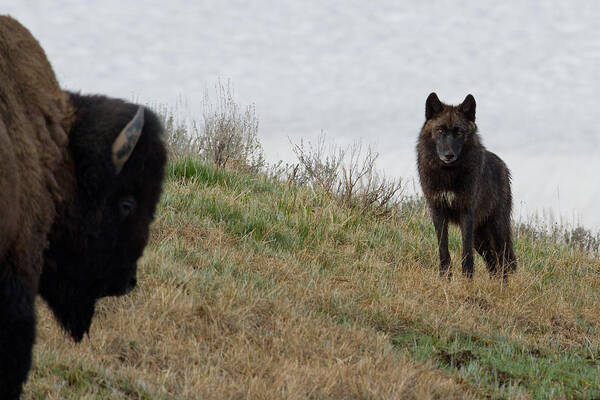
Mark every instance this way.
x=80 y=177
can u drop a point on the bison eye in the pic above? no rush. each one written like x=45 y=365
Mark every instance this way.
x=127 y=206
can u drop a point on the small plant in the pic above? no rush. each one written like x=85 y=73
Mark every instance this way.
x=227 y=136
x=364 y=187
x=582 y=239
x=558 y=234
x=349 y=174
x=318 y=166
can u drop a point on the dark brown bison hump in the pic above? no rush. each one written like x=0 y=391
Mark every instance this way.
x=35 y=116
x=9 y=188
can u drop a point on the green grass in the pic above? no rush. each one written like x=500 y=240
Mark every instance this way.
x=495 y=366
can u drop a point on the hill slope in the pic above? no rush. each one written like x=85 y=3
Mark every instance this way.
x=254 y=289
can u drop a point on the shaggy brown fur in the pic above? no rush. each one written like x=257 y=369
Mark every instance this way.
x=34 y=119
x=465 y=184
x=35 y=114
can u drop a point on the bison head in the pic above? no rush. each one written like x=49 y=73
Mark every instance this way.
x=112 y=182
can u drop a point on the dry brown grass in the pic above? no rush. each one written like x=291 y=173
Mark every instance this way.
x=174 y=338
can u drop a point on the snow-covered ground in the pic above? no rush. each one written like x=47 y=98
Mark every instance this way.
x=360 y=70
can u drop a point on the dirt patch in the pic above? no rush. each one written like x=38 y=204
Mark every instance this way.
x=561 y=324
x=505 y=378
x=479 y=302
x=457 y=359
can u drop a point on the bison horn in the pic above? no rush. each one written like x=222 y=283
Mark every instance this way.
x=125 y=143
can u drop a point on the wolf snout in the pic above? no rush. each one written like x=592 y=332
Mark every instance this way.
x=449 y=157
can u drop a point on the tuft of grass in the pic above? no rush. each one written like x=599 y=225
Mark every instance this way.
x=252 y=288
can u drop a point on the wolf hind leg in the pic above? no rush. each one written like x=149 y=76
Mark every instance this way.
x=17 y=333
x=504 y=248
x=484 y=245
x=508 y=261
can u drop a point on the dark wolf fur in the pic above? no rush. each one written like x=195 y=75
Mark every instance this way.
x=71 y=227
x=467 y=185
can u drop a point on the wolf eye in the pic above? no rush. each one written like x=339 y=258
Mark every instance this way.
x=440 y=131
x=459 y=132
x=127 y=206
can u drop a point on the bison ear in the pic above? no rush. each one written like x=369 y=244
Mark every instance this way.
x=433 y=106
x=125 y=143
x=468 y=107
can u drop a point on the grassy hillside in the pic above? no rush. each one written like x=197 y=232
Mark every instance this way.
x=251 y=288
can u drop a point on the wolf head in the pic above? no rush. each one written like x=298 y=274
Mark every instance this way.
x=450 y=128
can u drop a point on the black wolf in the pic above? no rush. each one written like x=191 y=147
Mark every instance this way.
x=467 y=185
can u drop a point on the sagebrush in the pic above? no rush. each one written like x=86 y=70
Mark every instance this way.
x=226 y=136
x=348 y=173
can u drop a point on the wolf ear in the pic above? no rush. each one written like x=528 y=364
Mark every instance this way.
x=433 y=106
x=468 y=107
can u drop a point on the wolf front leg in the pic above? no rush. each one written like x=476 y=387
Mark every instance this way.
x=17 y=332
x=466 y=228
x=440 y=222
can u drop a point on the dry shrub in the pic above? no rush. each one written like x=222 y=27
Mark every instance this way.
x=227 y=136
x=318 y=166
x=582 y=239
x=559 y=234
x=348 y=173
x=363 y=186
x=230 y=135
